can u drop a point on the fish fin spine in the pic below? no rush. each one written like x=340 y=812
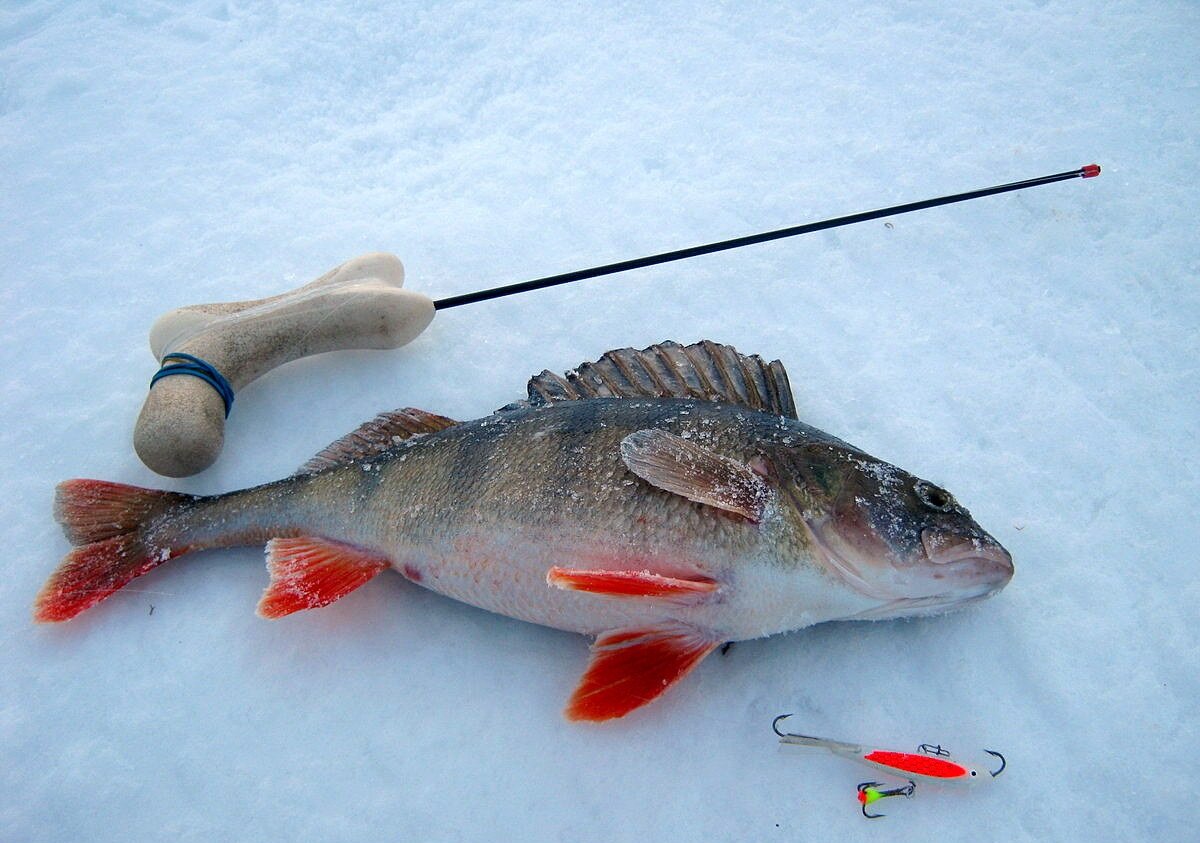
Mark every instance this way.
x=705 y=371
x=108 y=522
x=631 y=667
x=642 y=584
x=308 y=572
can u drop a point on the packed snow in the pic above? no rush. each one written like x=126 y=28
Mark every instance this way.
x=1034 y=353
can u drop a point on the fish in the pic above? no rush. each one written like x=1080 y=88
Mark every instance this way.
x=664 y=501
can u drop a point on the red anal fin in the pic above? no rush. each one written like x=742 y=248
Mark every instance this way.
x=630 y=583
x=631 y=667
x=309 y=572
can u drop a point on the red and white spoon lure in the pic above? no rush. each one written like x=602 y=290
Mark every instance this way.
x=930 y=763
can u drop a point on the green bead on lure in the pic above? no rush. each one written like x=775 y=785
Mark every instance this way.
x=870 y=793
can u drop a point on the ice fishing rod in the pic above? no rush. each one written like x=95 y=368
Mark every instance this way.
x=360 y=304
x=1086 y=172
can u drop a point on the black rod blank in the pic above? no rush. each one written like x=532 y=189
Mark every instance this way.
x=1085 y=172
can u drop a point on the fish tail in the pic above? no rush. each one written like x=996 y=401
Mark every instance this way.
x=118 y=536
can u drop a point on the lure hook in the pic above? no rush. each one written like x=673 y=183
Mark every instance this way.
x=868 y=792
x=862 y=798
x=775 y=725
x=1003 y=763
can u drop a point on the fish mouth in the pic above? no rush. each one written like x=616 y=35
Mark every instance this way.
x=957 y=571
x=973 y=561
x=973 y=566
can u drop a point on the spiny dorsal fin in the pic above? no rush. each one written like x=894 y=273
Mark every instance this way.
x=376 y=436
x=705 y=370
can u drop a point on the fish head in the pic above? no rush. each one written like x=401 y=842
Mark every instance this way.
x=902 y=542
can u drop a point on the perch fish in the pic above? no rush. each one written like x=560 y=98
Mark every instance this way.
x=664 y=501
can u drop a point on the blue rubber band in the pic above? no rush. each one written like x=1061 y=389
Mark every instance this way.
x=197 y=368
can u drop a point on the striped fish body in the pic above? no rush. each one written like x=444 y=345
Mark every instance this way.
x=481 y=511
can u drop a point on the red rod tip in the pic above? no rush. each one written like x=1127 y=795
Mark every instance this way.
x=1089 y=171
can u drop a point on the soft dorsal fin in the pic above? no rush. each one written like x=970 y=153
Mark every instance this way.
x=376 y=436
x=705 y=370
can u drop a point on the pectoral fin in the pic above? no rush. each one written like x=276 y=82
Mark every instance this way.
x=631 y=667
x=697 y=473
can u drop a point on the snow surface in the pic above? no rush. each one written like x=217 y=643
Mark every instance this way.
x=1036 y=353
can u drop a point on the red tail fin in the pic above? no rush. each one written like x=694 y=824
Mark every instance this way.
x=94 y=510
x=106 y=519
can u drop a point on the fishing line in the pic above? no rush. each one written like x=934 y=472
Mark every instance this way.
x=1086 y=172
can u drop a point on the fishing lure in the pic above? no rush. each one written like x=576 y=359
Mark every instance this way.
x=929 y=763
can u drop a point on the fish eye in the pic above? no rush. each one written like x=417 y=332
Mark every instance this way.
x=933 y=497
x=973 y=773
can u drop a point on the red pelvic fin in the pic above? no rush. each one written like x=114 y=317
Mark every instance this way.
x=106 y=519
x=630 y=583
x=309 y=572
x=631 y=667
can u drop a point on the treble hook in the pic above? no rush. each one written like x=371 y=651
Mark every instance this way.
x=1003 y=763
x=869 y=792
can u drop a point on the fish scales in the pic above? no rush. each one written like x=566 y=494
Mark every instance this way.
x=496 y=503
